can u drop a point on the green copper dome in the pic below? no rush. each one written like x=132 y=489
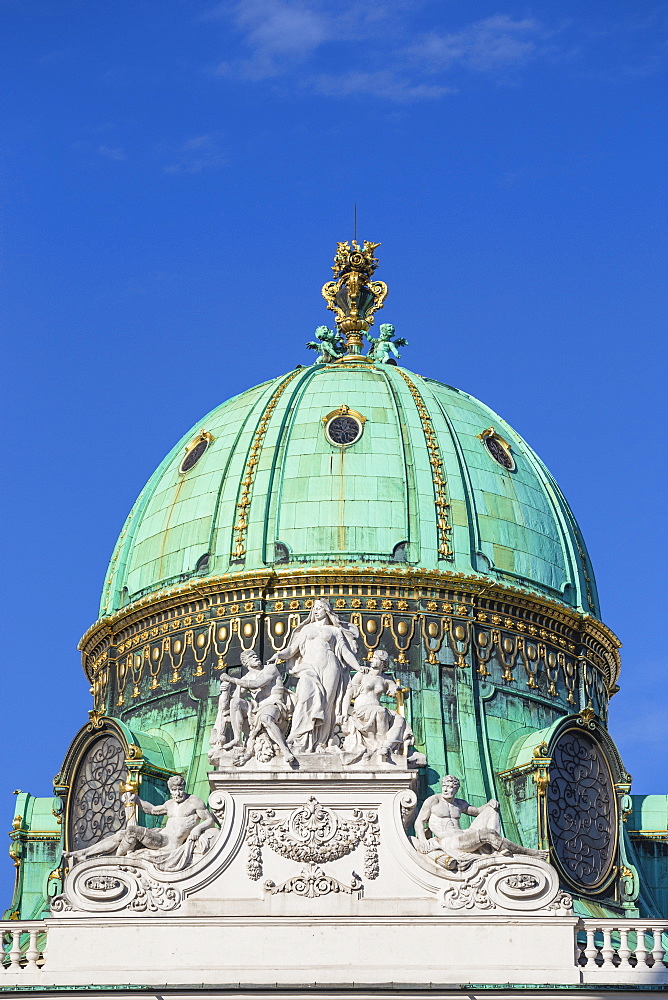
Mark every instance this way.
x=421 y=474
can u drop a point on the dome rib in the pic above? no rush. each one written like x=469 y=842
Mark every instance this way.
x=287 y=421
x=246 y=490
x=216 y=511
x=442 y=506
x=469 y=493
x=412 y=513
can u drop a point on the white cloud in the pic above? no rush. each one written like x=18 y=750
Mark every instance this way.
x=381 y=83
x=488 y=45
x=281 y=35
x=112 y=152
x=278 y=33
x=198 y=153
x=284 y=38
x=107 y=152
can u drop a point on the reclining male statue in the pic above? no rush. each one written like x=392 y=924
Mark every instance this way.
x=454 y=848
x=170 y=847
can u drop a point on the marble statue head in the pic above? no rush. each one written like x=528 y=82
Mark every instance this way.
x=249 y=658
x=379 y=661
x=177 y=787
x=450 y=785
x=321 y=609
x=322 y=612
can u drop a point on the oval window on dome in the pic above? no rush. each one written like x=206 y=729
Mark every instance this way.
x=194 y=452
x=344 y=426
x=498 y=448
x=582 y=810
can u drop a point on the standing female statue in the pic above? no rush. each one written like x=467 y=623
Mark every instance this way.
x=320 y=653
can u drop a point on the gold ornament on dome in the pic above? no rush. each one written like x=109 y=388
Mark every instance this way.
x=353 y=297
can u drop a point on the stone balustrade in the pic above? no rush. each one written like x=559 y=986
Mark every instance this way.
x=23 y=947
x=629 y=951
x=625 y=952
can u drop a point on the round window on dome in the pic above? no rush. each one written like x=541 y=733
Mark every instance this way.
x=498 y=448
x=343 y=427
x=194 y=452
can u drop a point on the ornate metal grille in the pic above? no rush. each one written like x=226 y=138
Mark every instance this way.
x=581 y=809
x=95 y=804
x=343 y=430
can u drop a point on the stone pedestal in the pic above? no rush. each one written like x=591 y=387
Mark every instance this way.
x=311 y=839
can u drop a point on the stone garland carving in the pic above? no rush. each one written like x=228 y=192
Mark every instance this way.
x=313 y=834
x=152 y=895
x=468 y=895
x=311 y=882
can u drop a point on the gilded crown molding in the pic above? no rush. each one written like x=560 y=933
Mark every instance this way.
x=417 y=594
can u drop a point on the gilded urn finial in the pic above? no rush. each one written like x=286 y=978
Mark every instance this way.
x=353 y=296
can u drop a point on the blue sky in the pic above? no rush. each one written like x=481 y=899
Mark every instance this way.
x=175 y=177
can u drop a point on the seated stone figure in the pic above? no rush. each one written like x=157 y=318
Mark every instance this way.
x=170 y=847
x=371 y=727
x=454 y=848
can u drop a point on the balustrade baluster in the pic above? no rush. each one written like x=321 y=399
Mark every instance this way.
x=32 y=953
x=607 y=951
x=591 y=951
x=641 y=949
x=624 y=951
x=657 y=950
x=15 y=950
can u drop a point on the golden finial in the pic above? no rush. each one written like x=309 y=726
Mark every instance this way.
x=353 y=296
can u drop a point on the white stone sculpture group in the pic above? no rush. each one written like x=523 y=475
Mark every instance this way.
x=322 y=711
x=328 y=704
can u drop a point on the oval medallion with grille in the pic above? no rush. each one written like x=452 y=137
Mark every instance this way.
x=95 y=807
x=582 y=810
